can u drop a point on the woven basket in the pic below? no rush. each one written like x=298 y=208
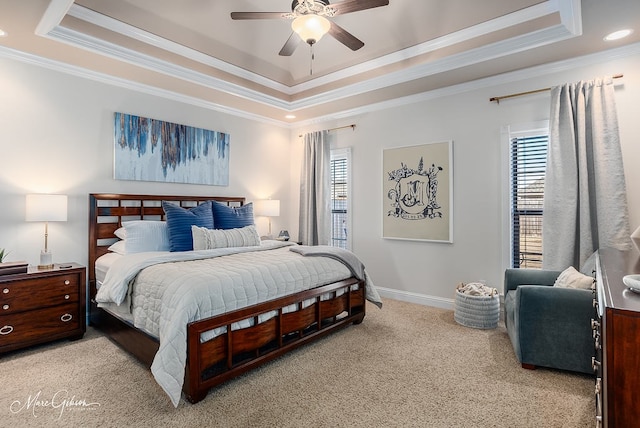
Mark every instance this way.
x=477 y=311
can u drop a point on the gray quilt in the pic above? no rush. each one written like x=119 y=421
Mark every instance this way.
x=347 y=258
x=172 y=289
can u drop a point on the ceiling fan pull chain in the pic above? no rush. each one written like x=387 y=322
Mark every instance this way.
x=312 y=58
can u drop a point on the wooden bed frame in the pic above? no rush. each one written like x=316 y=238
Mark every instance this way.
x=232 y=353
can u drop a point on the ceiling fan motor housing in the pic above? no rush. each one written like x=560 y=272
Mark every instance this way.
x=303 y=7
x=310 y=23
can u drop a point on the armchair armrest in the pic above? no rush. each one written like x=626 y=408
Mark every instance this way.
x=553 y=326
x=515 y=277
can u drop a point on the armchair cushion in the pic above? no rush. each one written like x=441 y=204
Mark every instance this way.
x=571 y=278
x=515 y=277
x=548 y=326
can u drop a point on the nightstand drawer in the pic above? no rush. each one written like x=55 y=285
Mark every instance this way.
x=34 y=325
x=36 y=293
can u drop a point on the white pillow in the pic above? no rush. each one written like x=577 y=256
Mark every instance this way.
x=118 y=247
x=207 y=239
x=571 y=278
x=146 y=235
x=121 y=233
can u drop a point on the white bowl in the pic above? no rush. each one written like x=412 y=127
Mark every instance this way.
x=632 y=281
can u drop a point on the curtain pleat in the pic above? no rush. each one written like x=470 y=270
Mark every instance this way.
x=585 y=198
x=315 y=187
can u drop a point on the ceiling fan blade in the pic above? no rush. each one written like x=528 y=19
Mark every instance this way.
x=345 y=37
x=290 y=45
x=349 y=6
x=257 y=15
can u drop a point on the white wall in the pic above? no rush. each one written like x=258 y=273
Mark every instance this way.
x=416 y=269
x=57 y=137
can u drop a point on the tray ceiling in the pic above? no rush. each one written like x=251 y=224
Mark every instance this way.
x=192 y=48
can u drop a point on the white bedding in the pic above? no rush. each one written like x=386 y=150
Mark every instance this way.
x=103 y=263
x=166 y=296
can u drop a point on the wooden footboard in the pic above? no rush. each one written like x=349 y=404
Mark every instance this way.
x=237 y=351
x=316 y=313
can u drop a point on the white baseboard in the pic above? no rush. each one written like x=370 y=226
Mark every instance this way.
x=426 y=300
x=420 y=299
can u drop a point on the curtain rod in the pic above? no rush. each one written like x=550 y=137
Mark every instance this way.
x=352 y=126
x=497 y=99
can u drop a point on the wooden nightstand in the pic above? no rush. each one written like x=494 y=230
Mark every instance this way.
x=42 y=305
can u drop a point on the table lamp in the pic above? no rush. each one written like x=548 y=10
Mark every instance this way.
x=42 y=207
x=267 y=208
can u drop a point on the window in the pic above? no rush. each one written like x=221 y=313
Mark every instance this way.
x=340 y=198
x=528 y=153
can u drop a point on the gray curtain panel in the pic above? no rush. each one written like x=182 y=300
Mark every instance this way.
x=585 y=198
x=315 y=188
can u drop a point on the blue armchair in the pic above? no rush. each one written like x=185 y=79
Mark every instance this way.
x=548 y=326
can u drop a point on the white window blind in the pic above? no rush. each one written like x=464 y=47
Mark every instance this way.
x=528 y=167
x=340 y=198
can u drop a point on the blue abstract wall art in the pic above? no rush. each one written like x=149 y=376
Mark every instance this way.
x=154 y=150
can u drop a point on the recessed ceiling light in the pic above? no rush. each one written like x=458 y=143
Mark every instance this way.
x=290 y=116
x=2 y=33
x=618 y=35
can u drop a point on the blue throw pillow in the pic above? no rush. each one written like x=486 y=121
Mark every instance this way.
x=180 y=220
x=226 y=217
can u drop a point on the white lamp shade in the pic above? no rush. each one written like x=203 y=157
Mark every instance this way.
x=46 y=207
x=311 y=27
x=267 y=208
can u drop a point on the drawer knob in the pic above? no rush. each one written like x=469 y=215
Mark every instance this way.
x=6 y=329
x=67 y=282
x=5 y=307
x=5 y=291
x=66 y=317
x=66 y=297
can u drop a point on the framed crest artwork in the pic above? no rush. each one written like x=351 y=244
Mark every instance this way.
x=418 y=192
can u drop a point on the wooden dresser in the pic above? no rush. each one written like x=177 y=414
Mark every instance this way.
x=42 y=305
x=617 y=337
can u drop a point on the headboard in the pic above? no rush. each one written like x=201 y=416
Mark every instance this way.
x=107 y=211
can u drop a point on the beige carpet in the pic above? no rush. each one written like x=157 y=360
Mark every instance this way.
x=405 y=366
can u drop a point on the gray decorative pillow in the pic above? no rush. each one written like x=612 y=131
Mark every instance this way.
x=207 y=239
x=571 y=278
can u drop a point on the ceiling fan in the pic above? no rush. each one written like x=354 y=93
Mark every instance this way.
x=310 y=22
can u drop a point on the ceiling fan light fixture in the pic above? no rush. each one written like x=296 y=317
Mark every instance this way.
x=311 y=27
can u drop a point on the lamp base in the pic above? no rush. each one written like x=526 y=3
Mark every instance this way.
x=46 y=260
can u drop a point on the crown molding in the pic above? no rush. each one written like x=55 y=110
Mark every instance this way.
x=495 y=50
x=134 y=86
x=52 y=17
x=496 y=80
x=474 y=56
x=515 y=76
x=127 y=30
x=569 y=10
x=148 y=62
x=512 y=19
x=569 y=17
